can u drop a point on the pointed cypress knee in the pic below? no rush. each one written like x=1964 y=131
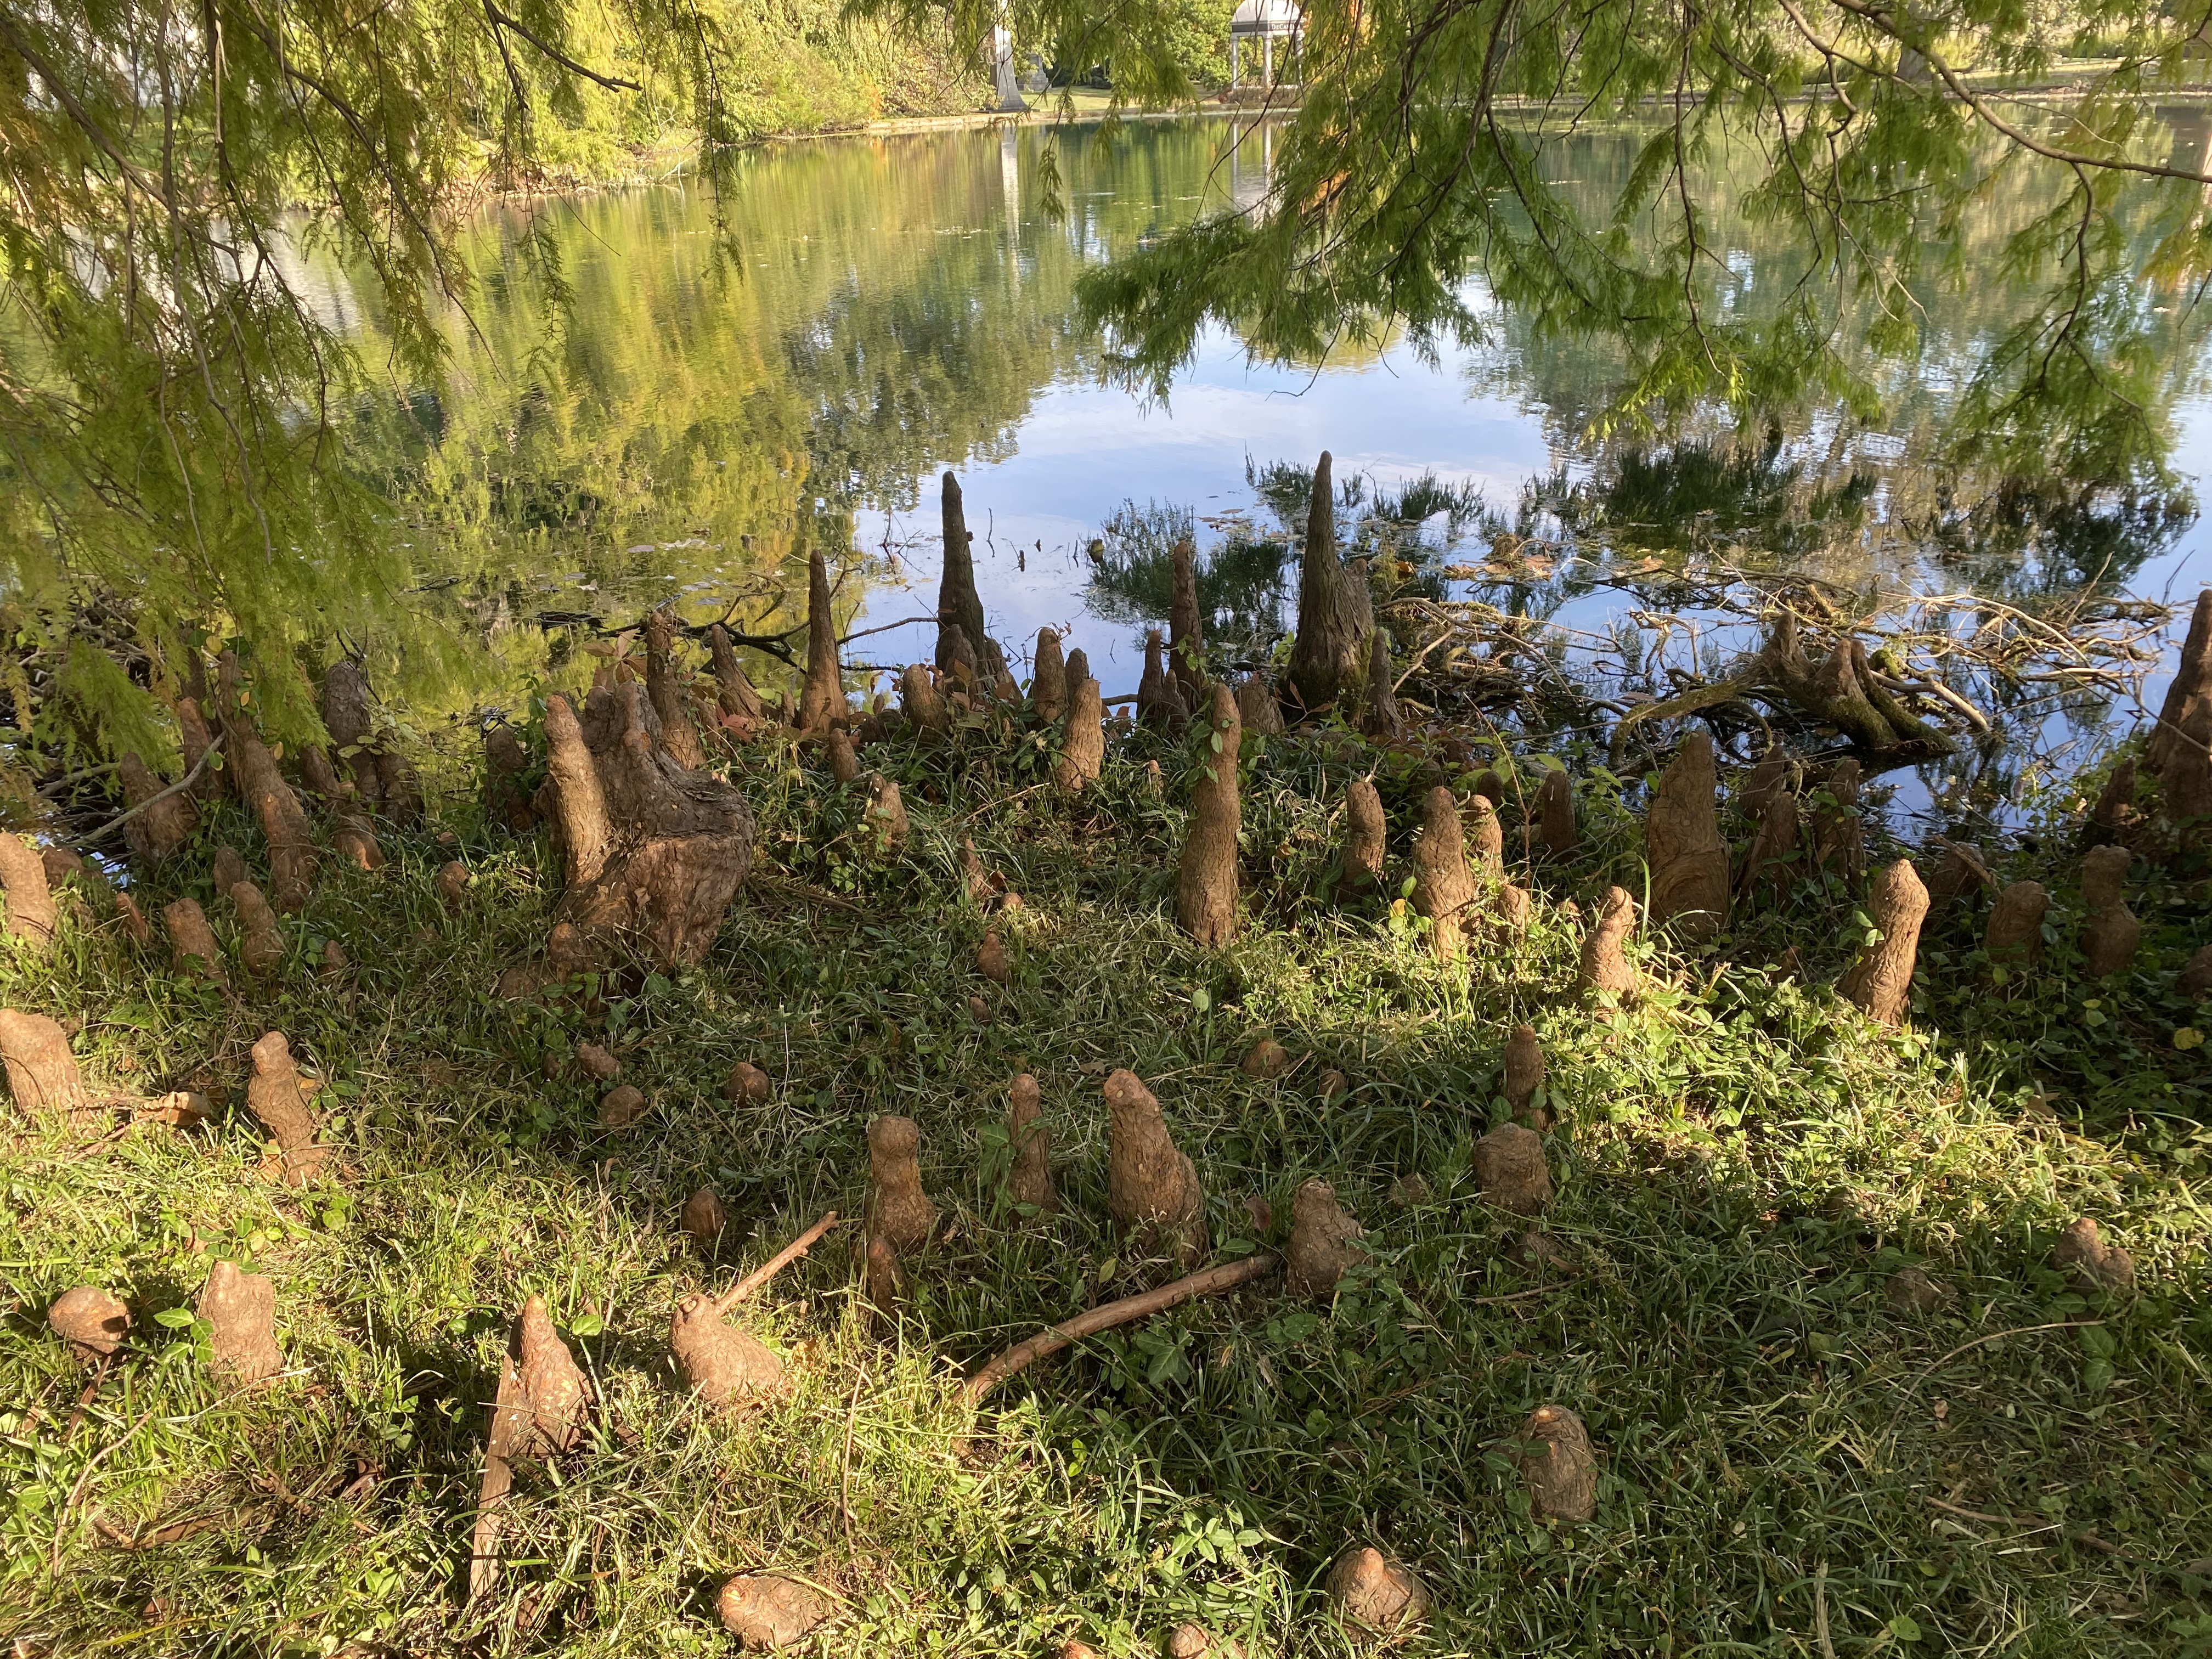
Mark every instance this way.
x=2014 y=935
x=1049 y=679
x=1365 y=833
x=1879 y=983
x=1330 y=656
x=1083 y=743
x=1205 y=883
x=822 y=696
x=1187 y=627
x=2190 y=691
x=1605 y=963
x=958 y=605
x=1381 y=722
x=1556 y=828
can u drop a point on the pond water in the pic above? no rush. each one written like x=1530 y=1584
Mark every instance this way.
x=664 y=395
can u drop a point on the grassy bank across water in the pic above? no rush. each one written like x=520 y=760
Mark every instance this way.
x=1792 y=1464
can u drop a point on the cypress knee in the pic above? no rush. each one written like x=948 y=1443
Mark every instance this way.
x=1605 y=964
x=1083 y=745
x=1381 y=722
x=42 y=1072
x=1187 y=626
x=240 y=1311
x=1524 y=1075
x=1328 y=657
x=1049 y=679
x=1152 y=1188
x=162 y=826
x=1442 y=889
x=2191 y=690
x=32 y=917
x=1879 y=983
x=1257 y=708
x=1838 y=835
x=1961 y=870
x=735 y=694
x=677 y=734
x=958 y=605
x=1555 y=814
x=1324 y=1245
x=1205 y=884
x=924 y=704
x=1028 y=1180
x=898 y=1210
x=274 y=1097
x=822 y=695
x=1364 y=835
x=1682 y=841
x=2014 y=935
x=2111 y=933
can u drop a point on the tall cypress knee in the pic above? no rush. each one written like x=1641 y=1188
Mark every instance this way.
x=821 y=697
x=2191 y=688
x=1187 y=626
x=1206 y=886
x=1442 y=889
x=1879 y=984
x=1083 y=743
x=1682 y=841
x=1328 y=657
x=1049 y=678
x=677 y=733
x=957 y=602
x=1365 y=833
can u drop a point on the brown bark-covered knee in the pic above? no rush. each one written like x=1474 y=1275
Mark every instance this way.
x=1879 y=983
x=898 y=1209
x=727 y=1368
x=1049 y=679
x=1151 y=1187
x=1029 y=1178
x=1365 y=834
x=1558 y=1464
x=924 y=705
x=1605 y=964
x=1328 y=657
x=240 y=1311
x=276 y=1098
x=1187 y=626
x=1083 y=745
x=31 y=918
x=42 y=1072
x=958 y=605
x=1688 y=858
x=191 y=942
x=2014 y=937
x=1442 y=889
x=1324 y=1245
x=2110 y=934
x=822 y=695
x=162 y=825
x=1524 y=1076
x=1556 y=827
x=1205 y=881
x=679 y=732
x=262 y=947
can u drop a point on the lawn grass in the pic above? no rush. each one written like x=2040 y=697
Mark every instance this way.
x=1790 y=1467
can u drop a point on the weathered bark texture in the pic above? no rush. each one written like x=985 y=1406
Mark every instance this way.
x=898 y=1210
x=161 y=830
x=191 y=942
x=276 y=1100
x=1840 y=690
x=42 y=1073
x=1556 y=829
x=1381 y=721
x=883 y=1280
x=292 y=855
x=2082 y=1255
x=1328 y=659
x=1772 y=862
x=1078 y=669
x=1558 y=1464
x=1029 y=1179
x=1509 y=1168
x=727 y=1368
x=543 y=1396
x=654 y=851
x=1483 y=837
x=924 y=705
x=1442 y=889
x=1839 y=834
x=2014 y=935
x=1365 y=836
x=353 y=840
x=957 y=602
x=452 y=882
x=346 y=718
x=961 y=671
x=1774 y=773
x=1373 y=1594
x=766 y=1611
x=228 y=868
x=2111 y=934
x=1257 y=708
x=1689 y=860
x=1879 y=983
x=195 y=739
x=1152 y=1188
x=1083 y=747
x=1524 y=1075
x=1605 y=964
x=1160 y=700
x=844 y=765
x=2190 y=694
x=1049 y=678
x=320 y=775
x=262 y=948
x=1206 y=882
x=670 y=701
x=1324 y=1244
x=92 y=1323
x=32 y=917
x=822 y=696
x=1187 y=626
x=621 y=1106
x=241 y=1310
x=1960 y=870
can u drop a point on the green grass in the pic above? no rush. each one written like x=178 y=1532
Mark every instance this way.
x=1741 y=1164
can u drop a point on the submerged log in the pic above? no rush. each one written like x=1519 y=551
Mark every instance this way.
x=653 y=851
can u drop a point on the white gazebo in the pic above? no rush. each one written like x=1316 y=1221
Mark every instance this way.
x=1266 y=21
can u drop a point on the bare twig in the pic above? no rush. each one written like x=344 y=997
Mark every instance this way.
x=775 y=1264
x=178 y=788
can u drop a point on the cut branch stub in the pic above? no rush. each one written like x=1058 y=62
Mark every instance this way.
x=42 y=1072
x=1605 y=964
x=1689 y=860
x=274 y=1097
x=822 y=695
x=655 y=852
x=1152 y=1188
x=1442 y=889
x=1879 y=983
x=1328 y=659
x=1083 y=745
x=677 y=731
x=164 y=825
x=1187 y=625
x=957 y=602
x=2190 y=691
x=1205 y=881
x=1364 y=835
x=1029 y=1180
x=1049 y=679
x=32 y=917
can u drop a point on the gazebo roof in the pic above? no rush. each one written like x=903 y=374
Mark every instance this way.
x=1264 y=17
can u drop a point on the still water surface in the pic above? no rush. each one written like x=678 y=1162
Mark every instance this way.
x=665 y=396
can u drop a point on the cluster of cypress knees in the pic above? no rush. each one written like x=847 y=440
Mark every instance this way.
x=654 y=847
